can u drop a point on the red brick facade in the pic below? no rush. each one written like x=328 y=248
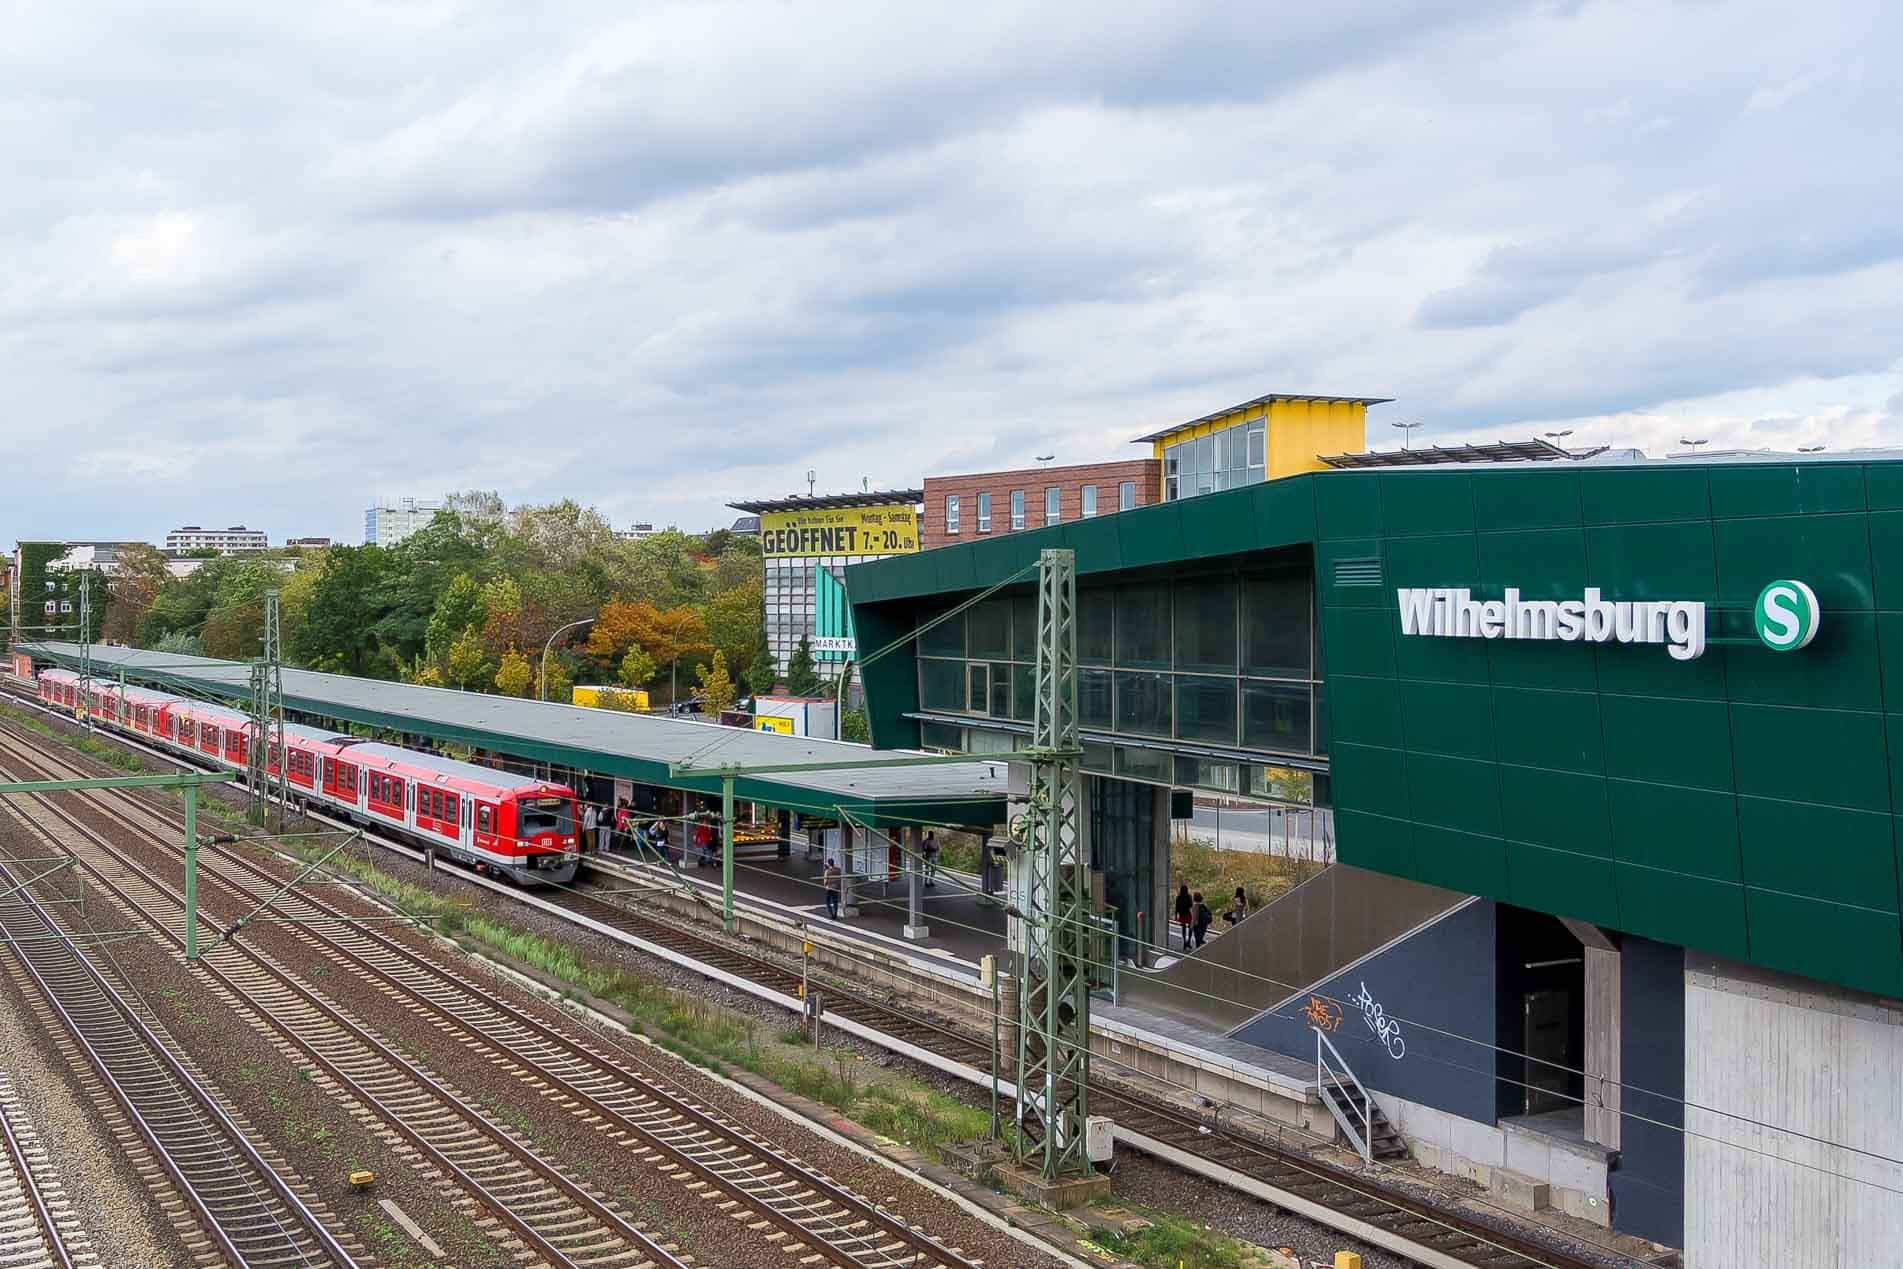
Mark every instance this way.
x=1144 y=473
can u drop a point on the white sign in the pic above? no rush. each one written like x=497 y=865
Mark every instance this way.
x=834 y=643
x=1450 y=613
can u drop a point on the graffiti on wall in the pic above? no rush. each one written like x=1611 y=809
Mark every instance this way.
x=1322 y=1014
x=1387 y=1032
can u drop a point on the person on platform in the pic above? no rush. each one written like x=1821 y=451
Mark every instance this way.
x=928 y=851
x=830 y=877
x=659 y=838
x=1203 y=919
x=624 y=817
x=1238 y=907
x=1185 y=909
x=588 y=821
x=704 y=839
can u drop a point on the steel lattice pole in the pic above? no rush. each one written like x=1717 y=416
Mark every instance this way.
x=1054 y=1033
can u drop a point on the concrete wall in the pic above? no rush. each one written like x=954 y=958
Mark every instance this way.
x=1823 y=1070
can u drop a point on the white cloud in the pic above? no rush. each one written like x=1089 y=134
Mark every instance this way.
x=256 y=266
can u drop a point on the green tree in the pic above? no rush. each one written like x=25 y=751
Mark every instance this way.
x=717 y=691
x=512 y=679
x=763 y=672
x=735 y=620
x=142 y=578
x=460 y=607
x=637 y=668
x=180 y=643
x=854 y=727
x=468 y=661
x=801 y=678
x=338 y=632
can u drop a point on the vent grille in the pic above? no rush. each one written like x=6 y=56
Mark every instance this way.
x=1362 y=572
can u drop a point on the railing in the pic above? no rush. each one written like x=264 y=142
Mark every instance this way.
x=1106 y=947
x=1343 y=1105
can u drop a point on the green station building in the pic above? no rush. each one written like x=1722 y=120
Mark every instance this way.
x=1609 y=753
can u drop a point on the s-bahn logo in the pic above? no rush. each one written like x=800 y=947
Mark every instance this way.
x=1786 y=615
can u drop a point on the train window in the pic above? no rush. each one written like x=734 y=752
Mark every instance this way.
x=484 y=822
x=451 y=811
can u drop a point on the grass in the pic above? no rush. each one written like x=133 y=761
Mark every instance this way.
x=1197 y=863
x=1170 y=1242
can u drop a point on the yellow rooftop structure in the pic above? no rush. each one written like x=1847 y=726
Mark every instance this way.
x=1279 y=434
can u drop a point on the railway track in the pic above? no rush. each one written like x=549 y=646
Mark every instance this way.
x=794 y=1206
x=242 y=1208
x=1430 y=1233
x=38 y=1228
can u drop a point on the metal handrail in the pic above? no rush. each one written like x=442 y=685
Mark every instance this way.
x=1324 y=1074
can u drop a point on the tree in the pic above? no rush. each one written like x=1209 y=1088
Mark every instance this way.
x=142 y=579
x=502 y=611
x=512 y=679
x=180 y=643
x=637 y=668
x=460 y=607
x=338 y=632
x=617 y=626
x=717 y=691
x=801 y=678
x=854 y=727
x=666 y=636
x=735 y=620
x=763 y=671
x=467 y=663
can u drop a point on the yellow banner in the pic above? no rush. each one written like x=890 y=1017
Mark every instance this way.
x=771 y=722
x=887 y=529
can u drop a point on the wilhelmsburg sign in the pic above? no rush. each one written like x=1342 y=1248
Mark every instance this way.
x=1785 y=616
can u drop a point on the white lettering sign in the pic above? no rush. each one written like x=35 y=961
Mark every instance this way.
x=833 y=643
x=1450 y=613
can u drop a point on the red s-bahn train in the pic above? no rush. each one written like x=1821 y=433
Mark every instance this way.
x=496 y=821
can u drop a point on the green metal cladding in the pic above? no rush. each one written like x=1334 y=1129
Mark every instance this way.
x=1743 y=803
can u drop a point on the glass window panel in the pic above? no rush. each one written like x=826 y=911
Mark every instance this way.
x=1097 y=757
x=1017 y=508
x=1284 y=784
x=1199 y=773
x=1206 y=709
x=1096 y=610
x=1024 y=692
x=1143 y=625
x=1275 y=717
x=946 y=639
x=940 y=736
x=977 y=688
x=1093 y=699
x=1275 y=634
x=1170 y=490
x=1090 y=500
x=1051 y=515
x=1143 y=764
x=941 y=684
x=1321 y=718
x=1127 y=495
x=1143 y=703
x=1000 y=691
x=984 y=513
x=951 y=513
x=1206 y=624
x=1024 y=627
x=989 y=628
x=1257 y=442
x=1233 y=449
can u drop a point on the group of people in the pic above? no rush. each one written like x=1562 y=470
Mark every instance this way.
x=620 y=829
x=1193 y=917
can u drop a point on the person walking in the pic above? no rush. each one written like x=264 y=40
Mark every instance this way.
x=928 y=849
x=1238 y=907
x=1185 y=909
x=604 y=829
x=704 y=839
x=589 y=818
x=1203 y=918
x=659 y=837
x=623 y=814
x=831 y=879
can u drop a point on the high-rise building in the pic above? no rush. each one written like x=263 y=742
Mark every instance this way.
x=389 y=522
x=231 y=541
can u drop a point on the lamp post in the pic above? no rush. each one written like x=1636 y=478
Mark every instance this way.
x=1557 y=437
x=1407 y=430
x=1686 y=440
x=542 y=691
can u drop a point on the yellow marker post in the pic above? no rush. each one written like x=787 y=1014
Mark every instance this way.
x=1347 y=1260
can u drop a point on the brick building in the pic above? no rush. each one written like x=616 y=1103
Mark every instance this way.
x=965 y=508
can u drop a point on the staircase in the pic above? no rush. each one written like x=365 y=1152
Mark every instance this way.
x=1359 y=1115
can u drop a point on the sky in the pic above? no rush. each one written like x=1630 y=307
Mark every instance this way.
x=261 y=264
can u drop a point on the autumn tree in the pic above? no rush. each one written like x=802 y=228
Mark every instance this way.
x=512 y=679
x=467 y=662
x=667 y=636
x=717 y=690
x=141 y=579
x=459 y=608
x=637 y=668
x=735 y=619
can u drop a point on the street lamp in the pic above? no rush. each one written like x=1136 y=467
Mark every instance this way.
x=1045 y=458
x=1557 y=437
x=542 y=691
x=1686 y=440
x=1406 y=431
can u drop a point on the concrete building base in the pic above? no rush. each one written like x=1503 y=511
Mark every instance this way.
x=916 y=932
x=1060 y=1196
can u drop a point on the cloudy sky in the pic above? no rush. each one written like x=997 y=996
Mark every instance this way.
x=261 y=262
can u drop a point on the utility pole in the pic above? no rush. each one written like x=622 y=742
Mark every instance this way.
x=267 y=717
x=86 y=643
x=1054 y=1030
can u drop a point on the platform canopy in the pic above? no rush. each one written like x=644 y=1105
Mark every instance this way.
x=637 y=747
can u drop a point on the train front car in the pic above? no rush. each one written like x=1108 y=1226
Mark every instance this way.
x=538 y=827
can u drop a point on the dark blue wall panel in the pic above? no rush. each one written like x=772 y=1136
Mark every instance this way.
x=1648 y=1184
x=1435 y=987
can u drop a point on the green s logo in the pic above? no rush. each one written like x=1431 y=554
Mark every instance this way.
x=1786 y=615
